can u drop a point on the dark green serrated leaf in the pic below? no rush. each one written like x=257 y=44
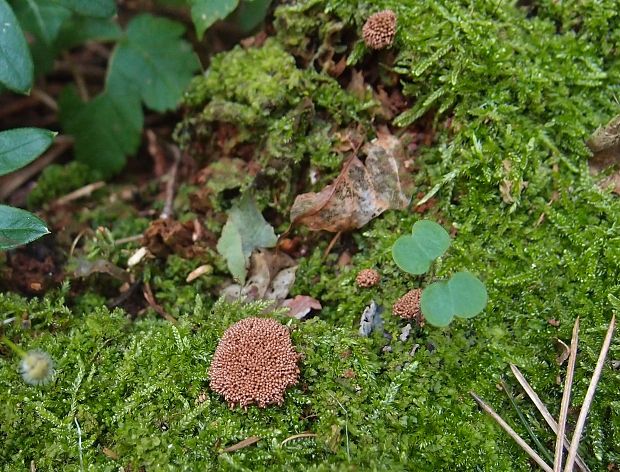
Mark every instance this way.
x=79 y=29
x=21 y=146
x=41 y=18
x=16 y=69
x=19 y=227
x=106 y=129
x=159 y=66
x=207 y=12
x=250 y=14
x=97 y=8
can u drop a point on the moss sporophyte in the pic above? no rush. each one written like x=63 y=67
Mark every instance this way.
x=36 y=367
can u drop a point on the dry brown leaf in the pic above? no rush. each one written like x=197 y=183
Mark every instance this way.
x=85 y=267
x=109 y=453
x=564 y=352
x=164 y=237
x=264 y=267
x=301 y=305
x=605 y=144
x=361 y=192
x=271 y=275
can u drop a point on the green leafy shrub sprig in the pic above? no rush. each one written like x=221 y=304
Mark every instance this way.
x=463 y=295
x=18 y=147
x=150 y=64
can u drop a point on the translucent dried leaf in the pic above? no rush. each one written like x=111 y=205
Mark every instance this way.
x=361 y=192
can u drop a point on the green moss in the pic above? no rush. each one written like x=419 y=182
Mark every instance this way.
x=278 y=110
x=57 y=180
x=522 y=88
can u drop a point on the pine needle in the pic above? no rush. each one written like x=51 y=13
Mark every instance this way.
x=568 y=384
x=511 y=432
x=587 y=402
x=544 y=412
x=543 y=450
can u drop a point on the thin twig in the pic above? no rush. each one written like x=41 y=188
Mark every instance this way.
x=150 y=299
x=85 y=191
x=172 y=177
x=157 y=153
x=544 y=412
x=77 y=240
x=241 y=444
x=44 y=98
x=78 y=77
x=511 y=432
x=587 y=402
x=331 y=244
x=129 y=239
x=17 y=106
x=346 y=426
x=11 y=182
x=79 y=443
x=568 y=383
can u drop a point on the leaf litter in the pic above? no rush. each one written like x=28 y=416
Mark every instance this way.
x=605 y=145
x=361 y=192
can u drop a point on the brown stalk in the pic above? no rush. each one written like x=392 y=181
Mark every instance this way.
x=568 y=383
x=587 y=402
x=512 y=433
x=544 y=412
x=150 y=299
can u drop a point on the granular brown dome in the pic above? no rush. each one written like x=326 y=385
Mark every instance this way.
x=254 y=363
x=379 y=29
x=367 y=278
x=408 y=306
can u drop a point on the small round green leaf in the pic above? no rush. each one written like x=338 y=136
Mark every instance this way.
x=469 y=295
x=21 y=146
x=18 y=227
x=414 y=253
x=406 y=253
x=463 y=295
x=436 y=304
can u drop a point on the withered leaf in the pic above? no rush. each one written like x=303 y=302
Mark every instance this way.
x=265 y=269
x=301 y=305
x=605 y=144
x=361 y=192
x=85 y=267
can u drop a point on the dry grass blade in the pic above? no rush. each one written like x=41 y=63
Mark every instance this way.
x=298 y=436
x=587 y=402
x=544 y=412
x=511 y=432
x=568 y=383
x=241 y=444
x=85 y=191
